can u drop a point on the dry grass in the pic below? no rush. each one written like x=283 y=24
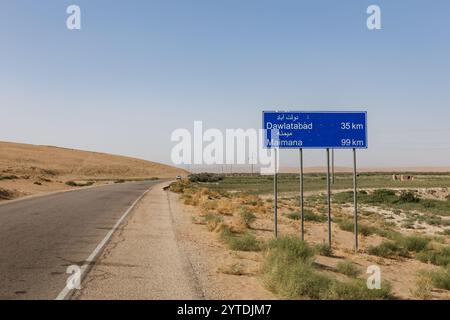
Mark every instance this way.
x=423 y=287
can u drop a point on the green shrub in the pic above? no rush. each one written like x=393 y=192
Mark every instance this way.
x=75 y=184
x=293 y=248
x=388 y=249
x=439 y=257
x=9 y=177
x=247 y=217
x=441 y=278
x=308 y=216
x=348 y=268
x=205 y=177
x=408 y=197
x=288 y=270
x=212 y=221
x=311 y=216
x=414 y=243
x=364 y=229
x=381 y=196
x=357 y=290
x=324 y=249
x=244 y=242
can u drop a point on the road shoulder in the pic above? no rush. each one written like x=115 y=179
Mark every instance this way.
x=143 y=259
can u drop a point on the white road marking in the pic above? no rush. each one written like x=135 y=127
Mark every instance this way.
x=66 y=292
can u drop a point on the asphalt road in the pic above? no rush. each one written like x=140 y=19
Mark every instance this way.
x=40 y=237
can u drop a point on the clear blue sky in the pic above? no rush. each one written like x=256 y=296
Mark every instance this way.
x=139 y=69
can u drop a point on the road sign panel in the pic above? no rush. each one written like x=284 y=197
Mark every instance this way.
x=312 y=130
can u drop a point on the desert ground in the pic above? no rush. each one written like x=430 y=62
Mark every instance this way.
x=404 y=229
x=34 y=169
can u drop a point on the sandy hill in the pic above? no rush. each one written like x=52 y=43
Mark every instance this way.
x=28 y=169
x=25 y=159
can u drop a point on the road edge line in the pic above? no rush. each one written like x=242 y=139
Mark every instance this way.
x=66 y=293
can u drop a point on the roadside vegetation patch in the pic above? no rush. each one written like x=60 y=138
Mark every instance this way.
x=441 y=278
x=239 y=242
x=438 y=255
x=288 y=270
x=79 y=184
x=6 y=194
x=309 y=215
x=388 y=249
x=9 y=177
x=205 y=177
x=405 y=200
x=247 y=217
x=348 y=268
x=324 y=249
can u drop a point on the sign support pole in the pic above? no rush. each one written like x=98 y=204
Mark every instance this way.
x=355 y=200
x=329 y=196
x=275 y=195
x=332 y=166
x=302 y=202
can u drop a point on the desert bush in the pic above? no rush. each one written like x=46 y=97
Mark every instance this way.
x=414 y=243
x=6 y=194
x=324 y=249
x=208 y=205
x=363 y=229
x=225 y=207
x=441 y=278
x=245 y=242
x=357 y=290
x=423 y=287
x=247 y=217
x=348 y=268
x=212 y=221
x=9 y=177
x=292 y=248
x=388 y=249
x=205 y=177
x=308 y=215
x=76 y=184
x=288 y=271
x=408 y=197
x=438 y=256
x=179 y=186
x=234 y=269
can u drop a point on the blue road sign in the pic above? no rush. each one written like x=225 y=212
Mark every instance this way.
x=312 y=130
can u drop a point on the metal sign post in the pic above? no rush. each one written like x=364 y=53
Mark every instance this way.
x=332 y=166
x=275 y=196
x=329 y=196
x=355 y=200
x=302 y=212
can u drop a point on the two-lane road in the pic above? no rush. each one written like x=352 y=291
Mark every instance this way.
x=40 y=237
